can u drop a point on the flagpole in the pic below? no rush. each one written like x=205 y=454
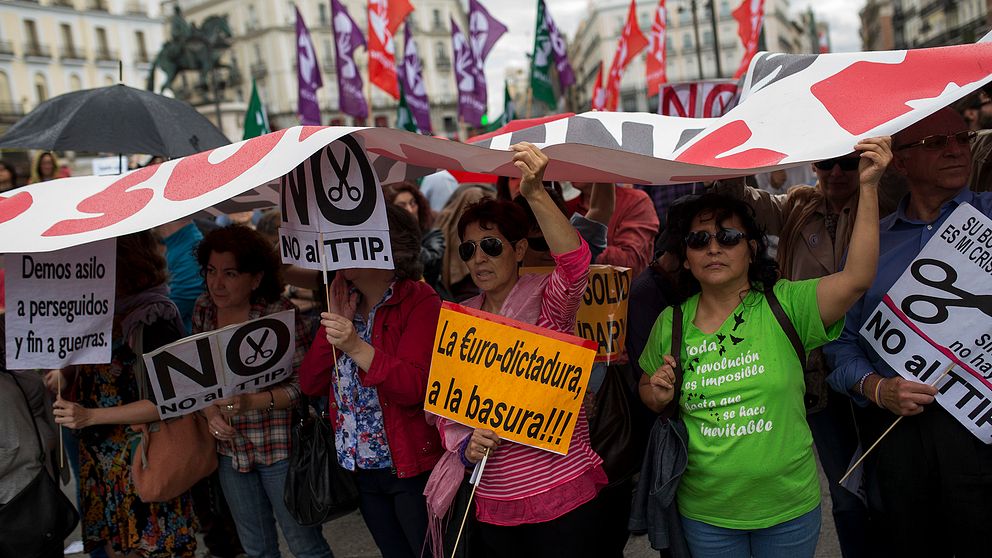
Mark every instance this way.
x=530 y=97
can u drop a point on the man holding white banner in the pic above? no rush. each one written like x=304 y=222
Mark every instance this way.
x=928 y=481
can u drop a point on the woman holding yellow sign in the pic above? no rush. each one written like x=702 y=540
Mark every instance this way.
x=529 y=502
x=750 y=487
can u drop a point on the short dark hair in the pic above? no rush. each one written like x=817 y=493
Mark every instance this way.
x=763 y=271
x=425 y=216
x=252 y=253
x=140 y=264
x=13 y=172
x=404 y=239
x=509 y=218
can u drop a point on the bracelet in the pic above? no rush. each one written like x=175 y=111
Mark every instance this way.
x=461 y=453
x=878 y=386
x=861 y=384
x=272 y=402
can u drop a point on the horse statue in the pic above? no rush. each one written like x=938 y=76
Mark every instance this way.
x=191 y=47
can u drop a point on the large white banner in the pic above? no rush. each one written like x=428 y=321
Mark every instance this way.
x=938 y=315
x=332 y=207
x=192 y=373
x=794 y=110
x=60 y=306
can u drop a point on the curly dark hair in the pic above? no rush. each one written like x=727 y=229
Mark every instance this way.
x=425 y=217
x=253 y=254
x=140 y=263
x=404 y=238
x=507 y=217
x=763 y=270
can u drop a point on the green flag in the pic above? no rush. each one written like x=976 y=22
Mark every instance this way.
x=509 y=111
x=404 y=118
x=540 y=62
x=256 y=122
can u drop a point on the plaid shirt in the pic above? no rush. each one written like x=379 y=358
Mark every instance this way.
x=263 y=437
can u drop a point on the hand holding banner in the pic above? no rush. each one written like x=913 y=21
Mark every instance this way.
x=523 y=382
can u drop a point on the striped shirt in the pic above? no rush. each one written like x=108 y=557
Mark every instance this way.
x=263 y=437
x=516 y=472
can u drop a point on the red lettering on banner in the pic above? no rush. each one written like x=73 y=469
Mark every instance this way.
x=865 y=95
x=672 y=102
x=195 y=176
x=707 y=150
x=718 y=99
x=14 y=205
x=112 y=205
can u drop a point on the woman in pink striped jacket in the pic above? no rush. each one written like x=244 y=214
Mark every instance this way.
x=529 y=502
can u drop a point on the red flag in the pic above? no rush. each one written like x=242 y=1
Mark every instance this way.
x=631 y=42
x=598 y=93
x=749 y=15
x=385 y=17
x=823 y=41
x=656 y=52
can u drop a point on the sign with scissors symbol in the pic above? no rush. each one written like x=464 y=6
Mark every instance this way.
x=916 y=306
x=258 y=348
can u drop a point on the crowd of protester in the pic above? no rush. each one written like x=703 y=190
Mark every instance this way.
x=706 y=288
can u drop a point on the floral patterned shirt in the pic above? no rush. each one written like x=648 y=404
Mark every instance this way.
x=359 y=433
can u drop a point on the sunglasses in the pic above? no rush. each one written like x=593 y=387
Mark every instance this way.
x=940 y=142
x=846 y=163
x=491 y=246
x=697 y=240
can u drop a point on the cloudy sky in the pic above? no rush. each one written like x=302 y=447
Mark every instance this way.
x=519 y=16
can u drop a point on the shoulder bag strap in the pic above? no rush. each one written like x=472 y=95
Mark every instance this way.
x=786 y=324
x=676 y=350
x=34 y=423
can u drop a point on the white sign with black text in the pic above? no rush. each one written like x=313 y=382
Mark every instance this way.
x=191 y=373
x=939 y=314
x=60 y=306
x=332 y=207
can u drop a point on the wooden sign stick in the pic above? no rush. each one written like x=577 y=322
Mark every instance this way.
x=474 y=481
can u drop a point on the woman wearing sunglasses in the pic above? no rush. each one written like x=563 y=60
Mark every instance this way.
x=750 y=487
x=529 y=502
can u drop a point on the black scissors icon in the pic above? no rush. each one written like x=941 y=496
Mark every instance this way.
x=940 y=305
x=258 y=348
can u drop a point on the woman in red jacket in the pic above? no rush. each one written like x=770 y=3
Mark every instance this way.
x=382 y=324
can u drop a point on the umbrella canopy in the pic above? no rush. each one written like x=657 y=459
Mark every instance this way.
x=115 y=119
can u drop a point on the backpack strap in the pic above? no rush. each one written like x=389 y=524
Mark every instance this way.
x=786 y=324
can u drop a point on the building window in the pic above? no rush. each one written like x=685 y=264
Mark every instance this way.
x=75 y=84
x=252 y=20
x=139 y=41
x=40 y=88
x=68 y=45
x=437 y=19
x=450 y=126
x=103 y=49
x=687 y=41
x=336 y=122
x=381 y=122
x=323 y=13
x=31 y=36
x=707 y=38
x=6 y=100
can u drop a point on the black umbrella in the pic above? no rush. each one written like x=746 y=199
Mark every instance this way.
x=115 y=119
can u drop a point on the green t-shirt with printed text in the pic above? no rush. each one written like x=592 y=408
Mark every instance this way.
x=751 y=462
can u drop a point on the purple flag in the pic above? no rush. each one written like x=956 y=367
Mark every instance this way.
x=413 y=84
x=470 y=106
x=348 y=37
x=483 y=29
x=566 y=76
x=307 y=75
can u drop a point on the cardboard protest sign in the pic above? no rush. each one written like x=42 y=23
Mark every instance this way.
x=60 y=306
x=602 y=316
x=795 y=109
x=938 y=314
x=332 y=207
x=523 y=382
x=191 y=373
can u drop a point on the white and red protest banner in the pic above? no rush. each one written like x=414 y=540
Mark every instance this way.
x=794 y=109
x=60 y=306
x=938 y=316
x=698 y=99
x=193 y=372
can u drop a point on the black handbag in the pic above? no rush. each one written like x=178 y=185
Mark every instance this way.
x=317 y=488
x=613 y=433
x=35 y=523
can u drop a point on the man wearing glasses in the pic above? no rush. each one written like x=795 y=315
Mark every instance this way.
x=929 y=483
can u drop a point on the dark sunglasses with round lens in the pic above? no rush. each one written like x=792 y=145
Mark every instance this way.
x=846 y=163
x=697 y=240
x=492 y=247
x=940 y=141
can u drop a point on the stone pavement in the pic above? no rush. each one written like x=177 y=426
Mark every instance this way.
x=349 y=538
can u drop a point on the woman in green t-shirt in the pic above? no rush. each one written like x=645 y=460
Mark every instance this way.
x=750 y=487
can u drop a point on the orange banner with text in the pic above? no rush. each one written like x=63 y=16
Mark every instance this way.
x=602 y=315
x=523 y=382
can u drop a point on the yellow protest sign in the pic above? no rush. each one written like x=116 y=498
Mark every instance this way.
x=523 y=382
x=602 y=316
